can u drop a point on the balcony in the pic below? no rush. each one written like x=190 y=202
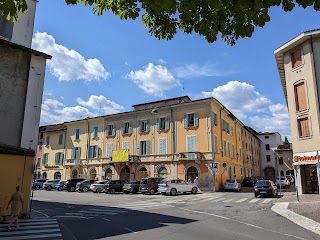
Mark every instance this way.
x=71 y=162
x=191 y=156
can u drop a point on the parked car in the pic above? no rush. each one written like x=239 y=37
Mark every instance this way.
x=51 y=184
x=71 y=184
x=131 y=187
x=38 y=183
x=247 y=182
x=290 y=179
x=114 y=186
x=283 y=182
x=232 y=184
x=98 y=186
x=149 y=185
x=174 y=186
x=84 y=186
x=265 y=188
x=61 y=185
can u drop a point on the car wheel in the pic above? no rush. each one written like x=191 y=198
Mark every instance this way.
x=98 y=190
x=173 y=192
x=125 y=192
x=112 y=190
x=60 y=189
x=37 y=187
x=152 y=191
x=194 y=190
x=49 y=188
x=72 y=189
x=85 y=189
x=135 y=191
x=255 y=195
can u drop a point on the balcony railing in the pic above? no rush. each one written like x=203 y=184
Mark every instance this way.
x=71 y=162
x=191 y=156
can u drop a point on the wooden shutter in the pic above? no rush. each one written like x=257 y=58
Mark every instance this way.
x=90 y=151
x=216 y=144
x=130 y=128
x=109 y=149
x=303 y=125
x=296 y=58
x=162 y=146
x=148 y=125
x=301 y=98
x=113 y=129
x=139 y=126
x=138 y=148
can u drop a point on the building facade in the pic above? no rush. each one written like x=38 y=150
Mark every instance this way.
x=285 y=160
x=298 y=63
x=269 y=160
x=173 y=138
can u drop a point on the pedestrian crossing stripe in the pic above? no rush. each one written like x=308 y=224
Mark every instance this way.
x=254 y=200
x=242 y=200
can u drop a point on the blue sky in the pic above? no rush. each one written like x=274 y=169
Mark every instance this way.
x=102 y=65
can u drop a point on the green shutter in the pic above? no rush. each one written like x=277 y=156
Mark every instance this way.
x=138 y=148
x=196 y=119
x=158 y=124
x=113 y=129
x=130 y=128
x=148 y=147
x=122 y=127
x=139 y=126
x=90 y=152
x=167 y=123
x=185 y=120
x=148 y=126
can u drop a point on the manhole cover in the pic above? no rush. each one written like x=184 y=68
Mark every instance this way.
x=228 y=206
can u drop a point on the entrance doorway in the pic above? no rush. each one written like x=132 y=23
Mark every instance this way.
x=269 y=173
x=309 y=179
x=93 y=174
x=162 y=172
x=192 y=173
x=74 y=174
x=57 y=175
x=125 y=174
x=108 y=174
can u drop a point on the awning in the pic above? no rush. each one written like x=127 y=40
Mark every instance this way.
x=305 y=163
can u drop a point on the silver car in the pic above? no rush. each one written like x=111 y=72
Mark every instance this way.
x=98 y=186
x=232 y=184
x=174 y=186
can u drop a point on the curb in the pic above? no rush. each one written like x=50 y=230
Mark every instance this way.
x=307 y=223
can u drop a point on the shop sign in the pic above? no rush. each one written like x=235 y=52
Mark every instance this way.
x=305 y=158
x=120 y=156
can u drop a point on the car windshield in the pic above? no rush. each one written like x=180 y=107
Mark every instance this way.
x=144 y=181
x=231 y=181
x=163 y=181
x=263 y=184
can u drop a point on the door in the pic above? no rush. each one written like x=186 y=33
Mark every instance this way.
x=311 y=178
x=192 y=173
x=125 y=174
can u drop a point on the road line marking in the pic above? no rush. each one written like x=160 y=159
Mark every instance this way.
x=307 y=223
x=242 y=200
x=130 y=230
x=29 y=231
x=36 y=220
x=267 y=200
x=219 y=199
x=90 y=212
x=106 y=219
x=72 y=216
x=254 y=200
x=35 y=223
x=208 y=199
x=229 y=200
x=32 y=236
x=40 y=213
x=31 y=227
x=142 y=207
x=111 y=210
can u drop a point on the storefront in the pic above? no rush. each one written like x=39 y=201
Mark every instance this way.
x=307 y=172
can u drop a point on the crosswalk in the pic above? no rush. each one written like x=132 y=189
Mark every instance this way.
x=39 y=228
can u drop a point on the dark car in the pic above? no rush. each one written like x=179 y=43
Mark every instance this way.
x=38 y=183
x=70 y=185
x=131 y=187
x=84 y=186
x=114 y=186
x=265 y=188
x=256 y=178
x=149 y=185
x=247 y=182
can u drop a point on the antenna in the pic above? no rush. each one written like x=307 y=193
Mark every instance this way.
x=183 y=93
x=99 y=109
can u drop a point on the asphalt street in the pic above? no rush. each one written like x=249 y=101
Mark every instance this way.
x=225 y=216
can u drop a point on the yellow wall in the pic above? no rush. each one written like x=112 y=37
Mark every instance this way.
x=18 y=171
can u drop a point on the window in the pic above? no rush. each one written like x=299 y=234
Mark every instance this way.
x=225 y=126
x=162 y=123
x=229 y=149
x=109 y=150
x=45 y=159
x=303 y=127
x=58 y=158
x=241 y=171
x=126 y=128
x=191 y=143
x=47 y=140
x=93 y=151
x=95 y=132
x=231 y=131
x=76 y=152
x=110 y=130
x=296 y=58
x=162 y=146
x=40 y=147
x=240 y=153
x=57 y=175
x=224 y=147
x=214 y=119
x=268 y=158
x=233 y=154
x=266 y=137
x=267 y=147
x=144 y=126
x=234 y=170
x=280 y=160
x=126 y=145
x=300 y=96
x=77 y=134
x=60 y=139
x=191 y=120
x=144 y=147
x=38 y=162
x=216 y=144
x=239 y=136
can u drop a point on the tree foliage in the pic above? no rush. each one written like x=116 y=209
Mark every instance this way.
x=228 y=19
x=286 y=141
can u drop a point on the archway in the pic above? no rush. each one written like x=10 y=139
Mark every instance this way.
x=162 y=172
x=57 y=175
x=93 y=174
x=192 y=173
x=269 y=173
x=74 y=174
x=141 y=173
x=125 y=174
x=108 y=174
x=281 y=173
x=44 y=175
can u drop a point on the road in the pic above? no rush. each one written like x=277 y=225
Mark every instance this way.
x=221 y=216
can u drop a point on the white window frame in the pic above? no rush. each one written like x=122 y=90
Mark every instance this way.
x=143 y=125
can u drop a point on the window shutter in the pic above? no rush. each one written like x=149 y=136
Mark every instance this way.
x=162 y=146
x=185 y=120
x=56 y=158
x=215 y=144
x=90 y=151
x=158 y=124
x=138 y=148
x=79 y=152
x=148 y=126
x=148 y=147
x=196 y=119
x=191 y=144
x=109 y=149
x=122 y=127
x=139 y=126
x=130 y=128
x=167 y=123
x=46 y=158
x=61 y=158
x=43 y=159
x=113 y=129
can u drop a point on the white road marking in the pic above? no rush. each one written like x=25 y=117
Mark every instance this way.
x=242 y=200
x=130 y=230
x=307 y=223
x=219 y=199
x=229 y=200
x=72 y=216
x=40 y=213
x=267 y=200
x=31 y=227
x=254 y=200
x=105 y=213
x=36 y=220
x=32 y=236
x=29 y=231
x=35 y=223
x=106 y=219
x=108 y=210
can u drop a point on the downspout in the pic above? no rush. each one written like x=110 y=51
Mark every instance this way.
x=221 y=152
x=173 y=145
x=88 y=143
x=64 y=152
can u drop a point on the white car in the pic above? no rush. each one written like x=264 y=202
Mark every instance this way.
x=174 y=186
x=232 y=184
x=98 y=186
x=283 y=182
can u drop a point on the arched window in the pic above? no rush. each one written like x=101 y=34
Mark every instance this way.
x=74 y=174
x=44 y=175
x=143 y=169
x=162 y=172
x=108 y=174
x=93 y=174
x=57 y=175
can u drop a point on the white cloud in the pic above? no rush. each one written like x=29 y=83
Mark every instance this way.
x=195 y=70
x=68 y=64
x=101 y=103
x=154 y=80
x=162 y=61
x=53 y=111
x=240 y=98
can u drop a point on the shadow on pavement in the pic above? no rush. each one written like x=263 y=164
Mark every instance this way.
x=94 y=222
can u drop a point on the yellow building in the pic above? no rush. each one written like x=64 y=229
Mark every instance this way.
x=285 y=160
x=173 y=138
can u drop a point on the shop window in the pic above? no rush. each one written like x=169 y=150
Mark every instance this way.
x=303 y=127
x=300 y=96
x=296 y=58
